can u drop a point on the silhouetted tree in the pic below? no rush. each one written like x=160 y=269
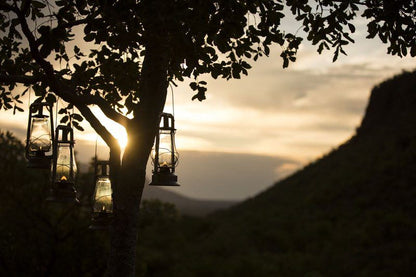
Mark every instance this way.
x=121 y=56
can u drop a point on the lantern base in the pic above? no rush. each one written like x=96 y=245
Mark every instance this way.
x=101 y=221
x=164 y=179
x=42 y=162
x=63 y=192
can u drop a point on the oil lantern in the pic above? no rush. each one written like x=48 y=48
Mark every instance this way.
x=64 y=167
x=164 y=155
x=102 y=203
x=39 y=135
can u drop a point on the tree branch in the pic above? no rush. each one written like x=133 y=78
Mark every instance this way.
x=75 y=23
x=105 y=108
x=60 y=89
x=79 y=21
x=55 y=85
x=109 y=139
x=24 y=79
x=7 y=8
x=25 y=6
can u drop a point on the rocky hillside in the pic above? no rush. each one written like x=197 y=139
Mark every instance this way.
x=350 y=213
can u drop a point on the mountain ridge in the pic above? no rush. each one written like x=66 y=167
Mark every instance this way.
x=186 y=205
x=350 y=213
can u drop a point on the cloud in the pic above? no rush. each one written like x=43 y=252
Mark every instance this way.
x=301 y=134
x=217 y=175
x=300 y=112
x=214 y=175
x=299 y=90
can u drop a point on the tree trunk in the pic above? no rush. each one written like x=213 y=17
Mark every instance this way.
x=129 y=179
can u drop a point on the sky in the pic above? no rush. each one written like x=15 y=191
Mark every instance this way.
x=252 y=132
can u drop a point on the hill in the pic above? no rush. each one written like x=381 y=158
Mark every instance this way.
x=186 y=205
x=350 y=213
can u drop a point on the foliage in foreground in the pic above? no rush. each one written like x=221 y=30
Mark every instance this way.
x=43 y=239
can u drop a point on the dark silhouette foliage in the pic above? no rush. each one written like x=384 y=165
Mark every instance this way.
x=43 y=239
x=127 y=52
x=40 y=239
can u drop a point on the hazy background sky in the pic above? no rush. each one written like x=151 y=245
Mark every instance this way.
x=252 y=132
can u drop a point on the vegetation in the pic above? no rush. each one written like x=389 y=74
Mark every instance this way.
x=350 y=213
x=38 y=238
x=133 y=49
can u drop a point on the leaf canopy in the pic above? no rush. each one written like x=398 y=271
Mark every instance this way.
x=95 y=49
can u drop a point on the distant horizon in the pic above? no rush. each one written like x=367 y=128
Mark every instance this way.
x=220 y=176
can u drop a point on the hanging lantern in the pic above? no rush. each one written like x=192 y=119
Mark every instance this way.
x=39 y=135
x=164 y=156
x=102 y=203
x=64 y=167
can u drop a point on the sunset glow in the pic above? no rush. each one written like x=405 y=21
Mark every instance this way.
x=118 y=131
x=264 y=126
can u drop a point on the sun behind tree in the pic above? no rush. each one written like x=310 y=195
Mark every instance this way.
x=117 y=130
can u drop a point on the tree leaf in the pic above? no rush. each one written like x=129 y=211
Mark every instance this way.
x=77 y=117
x=50 y=98
x=77 y=126
x=64 y=119
x=413 y=50
x=38 y=4
x=89 y=37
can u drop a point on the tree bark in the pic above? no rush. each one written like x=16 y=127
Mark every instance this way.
x=128 y=181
